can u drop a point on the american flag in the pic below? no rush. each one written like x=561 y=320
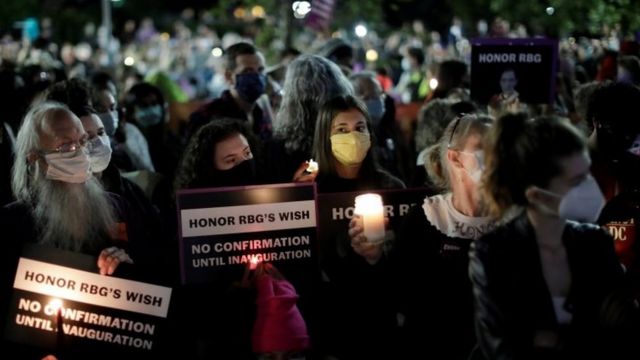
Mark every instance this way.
x=320 y=15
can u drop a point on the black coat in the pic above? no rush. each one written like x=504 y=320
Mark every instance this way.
x=432 y=290
x=513 y=304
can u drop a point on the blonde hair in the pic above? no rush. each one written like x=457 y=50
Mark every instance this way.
x=454 y=137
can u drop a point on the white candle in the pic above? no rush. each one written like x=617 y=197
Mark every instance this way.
x=369 y=206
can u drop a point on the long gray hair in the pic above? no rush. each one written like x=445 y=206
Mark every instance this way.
x=68 y=216
x=27 y=142
x=310 y=82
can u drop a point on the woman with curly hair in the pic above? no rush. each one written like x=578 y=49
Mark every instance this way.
x=221 y=153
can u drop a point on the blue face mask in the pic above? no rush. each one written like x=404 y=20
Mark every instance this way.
x=250 y=86
x=110 y=121
x=376 y=109
x=148 y=116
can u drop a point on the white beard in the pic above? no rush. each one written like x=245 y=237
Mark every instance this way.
x=72 y=216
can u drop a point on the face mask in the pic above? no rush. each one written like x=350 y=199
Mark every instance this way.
x=624 y=76
x=99 y=153
x=375 y=107
x=148 y=116
x=250 y=86
x=476 y=174
x=351 y=148
x=239 y=175
x=110 y=121
x=73 y=169
x=582 y=203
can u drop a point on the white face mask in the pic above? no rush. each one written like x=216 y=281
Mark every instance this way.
x=476 y=174
x=99 y=153
x=74 y=169
x=583 y=202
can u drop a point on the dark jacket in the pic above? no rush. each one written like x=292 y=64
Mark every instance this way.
x=154 y=243
x=514 y=309
x=226 y=107
x=433 y=292
x=18 y=228
x=380 y=180
x=355 y=307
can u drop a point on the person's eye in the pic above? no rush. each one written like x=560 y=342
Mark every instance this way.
x=362 y=128
x=101 y=132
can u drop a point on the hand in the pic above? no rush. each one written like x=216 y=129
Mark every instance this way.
x=110 y=258
x=267 y=269
x=371 y=252
x=301 y=175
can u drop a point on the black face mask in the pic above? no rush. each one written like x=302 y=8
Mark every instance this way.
x=239 y=175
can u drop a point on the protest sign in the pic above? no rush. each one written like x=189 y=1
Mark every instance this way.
x=60 y=301
x=503 y=69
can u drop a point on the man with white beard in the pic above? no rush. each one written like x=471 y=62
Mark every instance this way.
x=58 y=202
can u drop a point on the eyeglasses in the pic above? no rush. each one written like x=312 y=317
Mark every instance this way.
x=67 y=150
x=455 y=126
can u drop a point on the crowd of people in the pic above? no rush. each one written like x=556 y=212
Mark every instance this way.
x=514 y=254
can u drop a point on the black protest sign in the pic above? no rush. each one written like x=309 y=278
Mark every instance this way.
x=223 y=230
x=335 y=210
x=620 y=216
x=60 y=302
x=503 y=69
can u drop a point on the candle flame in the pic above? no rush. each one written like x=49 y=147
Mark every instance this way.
x=55 y=304
x=254 y=262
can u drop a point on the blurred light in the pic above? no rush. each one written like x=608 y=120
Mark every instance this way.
x=116 y=1
x=361 y=30
x=371 y=55
x=433 y=83
x=239 y=13
x=216 y=52
x=129 y=61
x=550 y=10
x=55 y=304
x=301 y=9
x=254 y=262
x=164 y=36
x=257 y=11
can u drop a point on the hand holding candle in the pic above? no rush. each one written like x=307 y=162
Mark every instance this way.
x=312 y=167
x=307 y=172
x=370 y=207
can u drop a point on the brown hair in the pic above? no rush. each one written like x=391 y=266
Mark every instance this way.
x=521 y=152
x=322 y=137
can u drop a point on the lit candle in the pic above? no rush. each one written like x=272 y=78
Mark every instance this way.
x=312 y=167
x=56 y=305
x=369 y=206
x=254 y=262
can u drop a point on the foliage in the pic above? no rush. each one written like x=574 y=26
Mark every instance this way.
x=569 y=16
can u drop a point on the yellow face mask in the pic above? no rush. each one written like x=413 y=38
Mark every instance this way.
x=350 y=148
